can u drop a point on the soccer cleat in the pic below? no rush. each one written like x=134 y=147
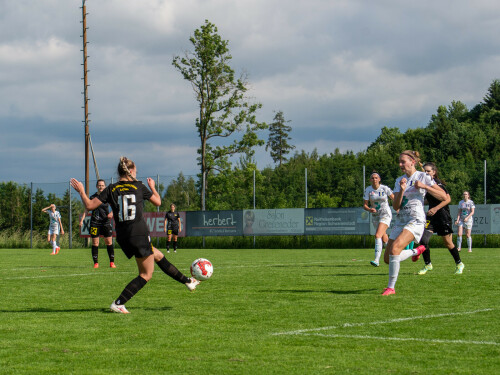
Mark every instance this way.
x=423 y=271
x=459 y=269
x=420 y=250
x=52 y=253
x=175 y=251
x=193 y=283
x=470 y=250
x=373 y=263
x=121 y=309
x=388 y=291
x=168 y=251
x=458 y=249
x=57 y=249
x=96 y=265
x=112 y=265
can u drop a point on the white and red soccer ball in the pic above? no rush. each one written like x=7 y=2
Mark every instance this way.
x=202 y=269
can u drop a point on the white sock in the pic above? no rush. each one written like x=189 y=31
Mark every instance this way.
x=459 y=242
x=393 y=270
x=53 y=243
x=469 y=242
x=405 y=254
x=378 y=249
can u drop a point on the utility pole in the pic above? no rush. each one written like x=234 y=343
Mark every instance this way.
x=85 y=95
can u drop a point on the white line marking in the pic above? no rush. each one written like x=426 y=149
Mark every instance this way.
x=302 y=331
x=405 y=339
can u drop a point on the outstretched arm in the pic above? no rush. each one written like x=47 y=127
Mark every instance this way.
x=88 y=203
x=155 y=198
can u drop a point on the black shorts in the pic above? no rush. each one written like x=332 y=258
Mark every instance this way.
x=174 y=231
x=138 y=246
x=440 y=227
x=105 y=230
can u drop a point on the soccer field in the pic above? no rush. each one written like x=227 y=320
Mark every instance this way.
x=262 y=312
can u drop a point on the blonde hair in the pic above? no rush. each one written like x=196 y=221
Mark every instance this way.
x=124 y=167
x=413 y=155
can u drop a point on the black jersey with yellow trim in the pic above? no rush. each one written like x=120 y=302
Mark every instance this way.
x=433 y=202
x=99 y=216
x=172 y=219
x=127 y=199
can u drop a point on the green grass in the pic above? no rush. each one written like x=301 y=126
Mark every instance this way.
x=54 y=316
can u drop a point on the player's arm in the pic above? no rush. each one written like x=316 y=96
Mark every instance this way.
x=46 y=208
x=471 y=213
x=85 y=212
x=398 y=196
x=433 y=210
x=90 y=204
x=180 y=225
x=366 y=207
x=155 y=198
x=60 y=224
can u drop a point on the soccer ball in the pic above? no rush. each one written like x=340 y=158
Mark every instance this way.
x=202 y=269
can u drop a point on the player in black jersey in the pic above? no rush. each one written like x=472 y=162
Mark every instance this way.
x=127 y=198
x=172 y=227
x=438 y=221
x=100 y=224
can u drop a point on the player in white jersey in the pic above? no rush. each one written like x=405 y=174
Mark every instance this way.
x=409 y=192
x=54 y=225
x=466 y=209
x=376 y=201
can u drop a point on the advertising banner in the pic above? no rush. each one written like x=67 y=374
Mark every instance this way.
x=273 y=222
x=155 y=222
x=320 y=221
x=214 y=223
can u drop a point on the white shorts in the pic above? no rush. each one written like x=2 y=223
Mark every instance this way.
x=466 y=224
x=415 y=226
x=384 y=219
x=54 y=230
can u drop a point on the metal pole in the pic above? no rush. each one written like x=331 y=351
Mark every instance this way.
x=31 y=216
x=485 y=193
x=70 y=218
x=305 y=182
x=158 y=208
x=85 y=95
x=254 y=202
x=203 y=202
x=364 y=187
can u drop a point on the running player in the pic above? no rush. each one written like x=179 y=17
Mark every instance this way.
x=172 y=227
x=100 y=224
x=438 y=221
x=376 y=202
x=409 y=191
x=466 y=209
x=126 y=198
x=54 y=225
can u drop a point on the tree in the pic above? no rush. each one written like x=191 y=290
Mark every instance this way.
x=278 y=138
x=223 y=109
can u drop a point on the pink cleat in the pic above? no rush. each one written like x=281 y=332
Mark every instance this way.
x=388 y=291
x=420 y=250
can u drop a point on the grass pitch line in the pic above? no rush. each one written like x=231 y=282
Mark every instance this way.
x=346 y=325
x=436 y=341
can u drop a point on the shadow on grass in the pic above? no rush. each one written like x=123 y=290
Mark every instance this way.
x=97 y=309
x=359 y=291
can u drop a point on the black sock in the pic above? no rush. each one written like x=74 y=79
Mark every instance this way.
x=427 y=255
x=175 y=245
x=130 y=290
x=95 y=253
x=172 y=271
x=168 y=245
x=456 y=255
x=111 y=253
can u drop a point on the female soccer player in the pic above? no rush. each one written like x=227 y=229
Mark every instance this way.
x=126 y=198
x=100 y=225
x=172 y=226
x=376 y=202
x=409 y=193
x=54 y=225
x=438 y=221
x=466 y=209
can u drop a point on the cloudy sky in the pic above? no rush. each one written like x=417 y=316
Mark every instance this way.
x=338 y=69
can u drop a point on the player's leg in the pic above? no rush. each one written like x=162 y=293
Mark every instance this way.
x=459 y=236
x=169 y=238
x=448 y=242
x=394 y=249
x=174 y=241
x=469 y=238
x=95 y=249
x=172 y=271
x=53 y=242
x=107 y=232
x=146 y=268
x=381 y=231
